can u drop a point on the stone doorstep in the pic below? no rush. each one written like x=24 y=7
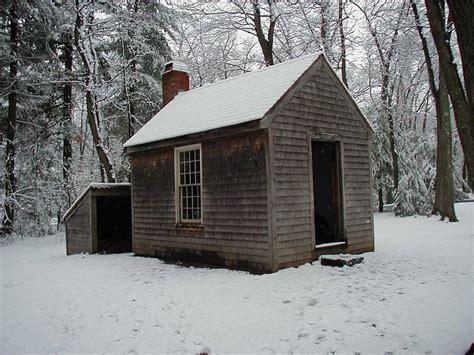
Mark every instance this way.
x=340 y=260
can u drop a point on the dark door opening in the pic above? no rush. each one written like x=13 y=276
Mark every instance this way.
x=327 y=190
x=114 y=232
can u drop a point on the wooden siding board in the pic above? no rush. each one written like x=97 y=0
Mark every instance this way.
x=318 y=107
x=234 y=198
x=79 y=228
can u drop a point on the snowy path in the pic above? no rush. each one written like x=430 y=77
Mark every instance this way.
x=414 y=294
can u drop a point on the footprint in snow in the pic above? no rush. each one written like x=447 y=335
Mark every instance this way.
x=312 y=302
x=267 y=350
x=205 y=350
x=303 y=335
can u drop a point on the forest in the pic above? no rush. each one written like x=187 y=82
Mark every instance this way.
x=79 y=77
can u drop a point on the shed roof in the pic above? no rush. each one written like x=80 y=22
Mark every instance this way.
x=229 y=102
x=93 y=187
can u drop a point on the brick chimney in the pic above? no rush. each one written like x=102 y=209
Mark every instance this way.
x=175 y=79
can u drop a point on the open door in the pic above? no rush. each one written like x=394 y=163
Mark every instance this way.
x=114 y=232
x=327 y=190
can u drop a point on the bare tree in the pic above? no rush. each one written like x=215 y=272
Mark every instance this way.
x=461 y=94
x=386 y=54
x=85 y=47
x=444 y=187
x=265 y=41
x=67 y=119
x=342 y=41
x=256 y=18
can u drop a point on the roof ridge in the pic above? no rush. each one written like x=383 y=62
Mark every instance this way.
x=239 y=99
x=316 y=55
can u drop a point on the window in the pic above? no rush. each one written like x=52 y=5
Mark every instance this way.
x=188 y=184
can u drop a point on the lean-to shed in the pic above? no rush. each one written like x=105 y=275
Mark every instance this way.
x=261 y=171
x=99 y=221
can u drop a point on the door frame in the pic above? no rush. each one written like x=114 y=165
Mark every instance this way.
x=337 y=140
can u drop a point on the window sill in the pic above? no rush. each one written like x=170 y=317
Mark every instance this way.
x=190 y=226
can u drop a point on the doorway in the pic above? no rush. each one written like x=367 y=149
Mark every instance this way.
x=114 y=232
x=327 y=192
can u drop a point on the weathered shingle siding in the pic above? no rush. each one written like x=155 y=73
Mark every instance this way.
x=235 y=214
x=318 y=107
x=78 y=229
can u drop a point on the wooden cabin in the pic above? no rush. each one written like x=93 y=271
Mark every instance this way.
x=99 y=221
x=261 y=171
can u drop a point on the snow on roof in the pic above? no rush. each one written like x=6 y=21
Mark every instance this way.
x=108 y=185
x=229 y=102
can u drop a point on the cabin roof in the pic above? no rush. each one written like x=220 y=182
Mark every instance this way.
x=92 y=187
x=229 y=102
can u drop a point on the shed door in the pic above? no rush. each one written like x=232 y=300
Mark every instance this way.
x=327 y=190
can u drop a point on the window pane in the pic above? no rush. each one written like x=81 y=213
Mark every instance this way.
x=199 y=197
x=189 y=184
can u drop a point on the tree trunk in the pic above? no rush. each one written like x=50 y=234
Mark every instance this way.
x=380 y=196
x=131 y=110
x=393 y=150
x=10 y=179
x=462 y=15
x=67 y=121
x=461 y=100
x=444 y=182
x=324 y=29
x=266 y=44
x=130 y=55
x=386 y=95
x=91 y=102
x=342 y=39
x=444 y=188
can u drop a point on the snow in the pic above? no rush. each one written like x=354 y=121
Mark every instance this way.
x=413 y=295
x=325 y=245
x=178 y=66
x=233 y=101
x=339 y=256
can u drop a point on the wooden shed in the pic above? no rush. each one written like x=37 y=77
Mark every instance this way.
x=261 y=171
x=99 y=221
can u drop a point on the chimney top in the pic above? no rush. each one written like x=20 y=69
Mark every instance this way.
x=175 y=79
x=177 y=66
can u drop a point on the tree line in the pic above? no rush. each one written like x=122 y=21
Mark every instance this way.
x=79 y=77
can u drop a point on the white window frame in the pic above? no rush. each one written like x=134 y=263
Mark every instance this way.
x=178 y=206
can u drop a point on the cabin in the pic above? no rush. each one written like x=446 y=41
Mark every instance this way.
x=99 y=221
x=262 y=171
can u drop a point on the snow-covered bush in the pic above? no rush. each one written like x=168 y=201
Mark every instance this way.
x=415 y=194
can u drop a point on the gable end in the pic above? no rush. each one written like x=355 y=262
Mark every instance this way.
x=320 y=64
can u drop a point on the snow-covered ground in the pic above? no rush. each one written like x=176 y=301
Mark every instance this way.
x=414 y=294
